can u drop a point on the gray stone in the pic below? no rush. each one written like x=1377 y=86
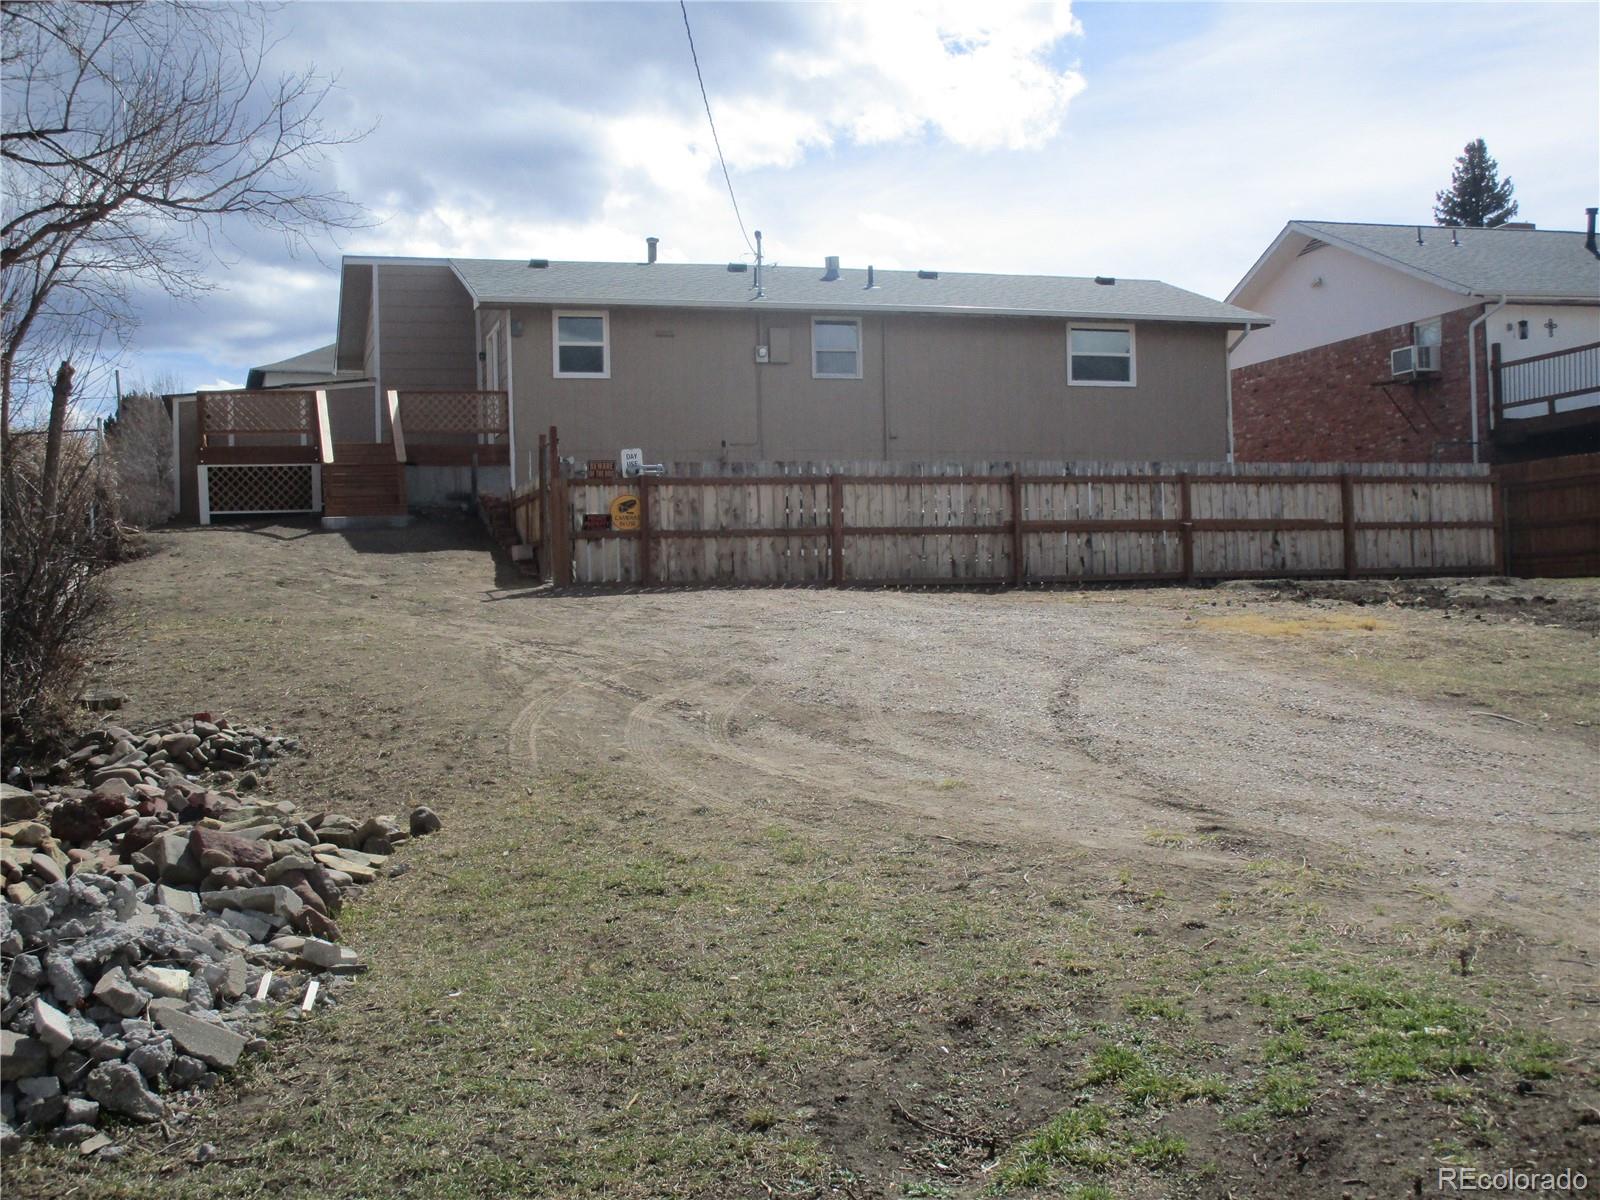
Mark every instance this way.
x=81 y=1111
x=37 y=1087
x=17 y=804
x=109 y=1050
x=187 y=1071
x=71 y=1135
x=66 y=981
x=119 y=1087
x=26 y=973
x=289 y=862
x=277 y=900
x=31 y=919
x=85 y=1032
x=118 y=994
x=21 y=1056
x=51 y=1026
x=153 y=1059
x=327 y=955
x=71 y=1067
x=208 y=1041
x=163 y=981
x=178 y=899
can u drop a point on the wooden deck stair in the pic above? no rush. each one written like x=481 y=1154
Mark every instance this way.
x=363 y=480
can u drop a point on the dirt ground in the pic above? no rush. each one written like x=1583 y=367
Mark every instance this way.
x=1412 y=763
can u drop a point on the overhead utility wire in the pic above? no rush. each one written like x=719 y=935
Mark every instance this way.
x=715 y=140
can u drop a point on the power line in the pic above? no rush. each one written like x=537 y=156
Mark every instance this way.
x=715 y=140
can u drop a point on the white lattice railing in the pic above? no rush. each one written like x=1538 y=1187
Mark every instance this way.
x=259 y=489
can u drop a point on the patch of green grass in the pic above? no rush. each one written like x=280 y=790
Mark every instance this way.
x=1144 y=1081
x=1286 y=1092
x=1161 y=1007
x=1160 y=1150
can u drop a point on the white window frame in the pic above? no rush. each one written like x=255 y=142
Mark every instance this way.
x=555 y=343
x=861 y=347
x=1133 y=354
x=491 y=359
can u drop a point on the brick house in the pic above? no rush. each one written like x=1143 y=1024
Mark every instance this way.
x=1498 y=334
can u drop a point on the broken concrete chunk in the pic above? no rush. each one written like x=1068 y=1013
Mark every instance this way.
x=51 y=1026
x=118 y=993
x=119 y=1087
x=21 y=1056
x=279 y=901
x=208 y=1041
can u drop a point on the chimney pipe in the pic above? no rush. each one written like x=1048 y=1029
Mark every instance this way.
x=871 y=279
x=832 y=271
x=1589 y=241
x=650 y=248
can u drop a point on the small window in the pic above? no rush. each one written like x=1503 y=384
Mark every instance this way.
x=1100 y=356
x=582 y=345
x=1522 y=331
x=1427 y=333
x=835 y=348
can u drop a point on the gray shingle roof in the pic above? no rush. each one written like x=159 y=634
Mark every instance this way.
x=1517 y=262
x=320 y=359
x=602 y=284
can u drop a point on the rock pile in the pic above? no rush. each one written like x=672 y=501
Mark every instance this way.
x=153 y=913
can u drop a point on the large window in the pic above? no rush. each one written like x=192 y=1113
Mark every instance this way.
x=582 y=345
x=835 y=348
x=1100 y=355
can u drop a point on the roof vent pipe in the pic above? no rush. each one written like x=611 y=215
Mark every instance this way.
x=1589 y=241
x=832 y=271
x=650 y=244
x=871 y=280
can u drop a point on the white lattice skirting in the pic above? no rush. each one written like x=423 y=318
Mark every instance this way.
x=259 y=489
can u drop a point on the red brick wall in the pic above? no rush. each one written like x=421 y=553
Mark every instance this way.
x=1320 y=405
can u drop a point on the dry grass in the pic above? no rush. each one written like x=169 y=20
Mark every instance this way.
x=1262 y=625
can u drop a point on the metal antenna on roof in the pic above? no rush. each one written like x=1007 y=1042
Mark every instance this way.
x=760 y=293
x=1419 y=235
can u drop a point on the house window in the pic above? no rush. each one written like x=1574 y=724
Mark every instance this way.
x=1427 y=333
x=835 y=348
x=1100 y=355
x=581 y=345
x=1522 y=331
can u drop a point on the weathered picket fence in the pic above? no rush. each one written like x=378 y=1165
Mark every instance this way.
x=1015 y=524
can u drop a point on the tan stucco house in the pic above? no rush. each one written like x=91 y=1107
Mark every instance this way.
x=694 y=362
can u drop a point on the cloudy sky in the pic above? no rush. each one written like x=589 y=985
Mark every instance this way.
x=1143 y=140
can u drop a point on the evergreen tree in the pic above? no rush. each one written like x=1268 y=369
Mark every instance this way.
x=1476 y=197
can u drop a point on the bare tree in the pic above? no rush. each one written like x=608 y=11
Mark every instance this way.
x=131 y=130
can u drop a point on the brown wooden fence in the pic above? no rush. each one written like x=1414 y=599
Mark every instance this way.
x=1552 y=516
x=893 y=524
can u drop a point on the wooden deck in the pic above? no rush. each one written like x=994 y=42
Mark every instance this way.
x=363 y=480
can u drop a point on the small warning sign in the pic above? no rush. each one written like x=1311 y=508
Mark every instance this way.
x=625 y=512
x=597 y=520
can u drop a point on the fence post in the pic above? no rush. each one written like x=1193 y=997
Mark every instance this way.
x=199 y=422
x=1186 y=526
x=1347 y=504
x=542 y=476
x=836 y=538
x=1017 y=571
x=1491 y=401
x=204 y=474
x=645 y=574
x=1502 y=525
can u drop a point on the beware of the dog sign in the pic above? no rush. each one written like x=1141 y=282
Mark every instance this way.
x=625 y=512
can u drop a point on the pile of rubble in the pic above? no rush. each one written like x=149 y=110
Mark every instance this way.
x=155 y=913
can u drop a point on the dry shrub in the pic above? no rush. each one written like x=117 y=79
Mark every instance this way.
x=139 y=443
x=51 y=603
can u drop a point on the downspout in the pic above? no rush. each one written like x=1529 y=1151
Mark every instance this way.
x=1227 y=370
x=1472 y=369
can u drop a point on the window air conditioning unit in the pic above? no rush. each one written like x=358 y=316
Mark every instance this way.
x=1407 y=361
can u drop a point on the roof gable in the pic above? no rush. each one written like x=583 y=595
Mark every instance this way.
x=1524 y=263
